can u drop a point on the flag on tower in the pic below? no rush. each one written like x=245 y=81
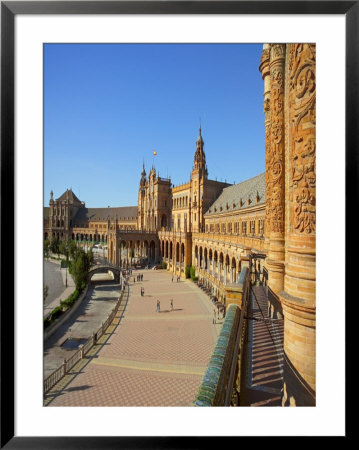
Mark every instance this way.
x=154 y=153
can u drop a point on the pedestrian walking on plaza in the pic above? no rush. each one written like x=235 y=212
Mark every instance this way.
x=214 y=316
x=158 y=306
x=172 y=278
x=171 y=305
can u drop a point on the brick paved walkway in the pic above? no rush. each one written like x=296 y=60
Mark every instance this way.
x=264 y=362
x=146 y=358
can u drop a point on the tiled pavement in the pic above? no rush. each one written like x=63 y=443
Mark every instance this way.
x=264 y=362
x=146 y=358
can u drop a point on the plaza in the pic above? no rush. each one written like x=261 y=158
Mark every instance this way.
x=149 y=358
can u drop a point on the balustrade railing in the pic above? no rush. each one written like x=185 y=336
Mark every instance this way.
x=67 y=365
x=221 y=383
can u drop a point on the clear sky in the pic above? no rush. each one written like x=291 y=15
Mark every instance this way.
x=108 y=106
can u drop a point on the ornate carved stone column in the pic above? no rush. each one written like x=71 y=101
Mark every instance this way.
x=298 y=298
x=275 y=166
x=264 y=69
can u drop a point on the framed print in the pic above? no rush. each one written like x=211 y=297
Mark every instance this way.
x=235 y=306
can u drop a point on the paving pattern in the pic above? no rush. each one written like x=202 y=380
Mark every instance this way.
x=146 y=358
x=264 y=362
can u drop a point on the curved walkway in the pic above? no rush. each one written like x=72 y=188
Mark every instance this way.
x=146 y=358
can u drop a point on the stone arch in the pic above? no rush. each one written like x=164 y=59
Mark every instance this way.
x=182 y=252
x=164 y=221
x=152 y=250
x=166 y=254
x=205 y=257
x=171 y=251
x=177 y=252
x=233 y=270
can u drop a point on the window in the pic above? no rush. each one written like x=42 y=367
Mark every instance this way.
x=252 y=225
x=244 y=228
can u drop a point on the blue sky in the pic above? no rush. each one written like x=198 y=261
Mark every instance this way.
x=108 y=106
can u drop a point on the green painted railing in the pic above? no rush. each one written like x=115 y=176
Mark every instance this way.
x=212 y=391
x=222 y=378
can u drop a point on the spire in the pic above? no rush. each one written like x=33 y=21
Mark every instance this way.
x=200 y=139
x=199 y=156
x=143 y=175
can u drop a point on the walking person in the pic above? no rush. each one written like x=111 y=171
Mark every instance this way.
x=172 y=278
x=214 y=316
x=171 y=305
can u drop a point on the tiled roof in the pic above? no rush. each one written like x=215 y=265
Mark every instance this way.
x=123 y=213
x=72 y=196
x=231 y=197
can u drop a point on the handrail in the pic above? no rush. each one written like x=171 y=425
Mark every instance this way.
x=220 y=380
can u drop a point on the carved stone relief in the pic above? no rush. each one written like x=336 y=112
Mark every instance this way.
x=303 y=140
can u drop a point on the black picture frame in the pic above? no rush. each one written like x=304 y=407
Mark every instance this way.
x=9 y=9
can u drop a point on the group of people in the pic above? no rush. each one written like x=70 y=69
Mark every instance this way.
x=139 y=277
x=178 y=278
x=158 y=305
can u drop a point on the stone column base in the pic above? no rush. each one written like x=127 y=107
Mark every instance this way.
x=299 y=370
x=296 y=392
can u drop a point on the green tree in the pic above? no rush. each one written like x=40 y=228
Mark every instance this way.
x=45 y=292
x=46 y=248
x=63 y=248
x=192 y=273
x=188 y=272
x=72 y=248
x=90 y=259
x=79 y=269
x=54 y=245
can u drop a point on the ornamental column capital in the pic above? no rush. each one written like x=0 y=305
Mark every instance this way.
x=277 y=53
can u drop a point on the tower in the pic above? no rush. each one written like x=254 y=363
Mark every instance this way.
x=199 y=156
x=141 y=199
x=198 y=177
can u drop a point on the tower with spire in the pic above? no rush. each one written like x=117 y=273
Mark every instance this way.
x=198 y=179
x=199 y=156
x=141 y=199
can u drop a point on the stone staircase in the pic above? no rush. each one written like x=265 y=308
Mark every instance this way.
x=263 y=377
